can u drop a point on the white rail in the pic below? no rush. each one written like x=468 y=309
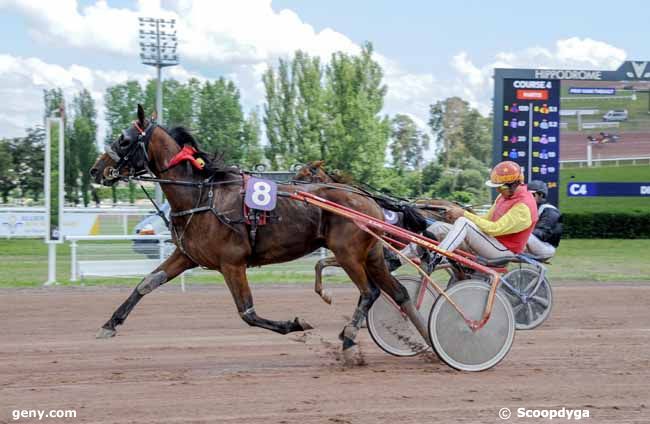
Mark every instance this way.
x=599 y=162
x=592 y=125
x=125 y=267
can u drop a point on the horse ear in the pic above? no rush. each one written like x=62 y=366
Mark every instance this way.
x=140 y=114
x=318 y=163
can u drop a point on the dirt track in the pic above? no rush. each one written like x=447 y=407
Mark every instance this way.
x=187 y=358
x=573 y=146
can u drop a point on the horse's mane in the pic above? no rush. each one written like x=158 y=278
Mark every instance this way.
x=214 y=163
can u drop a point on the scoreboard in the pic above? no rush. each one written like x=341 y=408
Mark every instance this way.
x=530 y=129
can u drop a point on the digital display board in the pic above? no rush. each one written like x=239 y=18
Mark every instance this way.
x=530 y=129
x=604 y=117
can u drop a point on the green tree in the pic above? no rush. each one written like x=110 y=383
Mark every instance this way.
x=252 y=152
x=408 y=143
x=358 y=134
x=29 y=160
x=54 y=102
x=279 y=115
x=180 y=101
x=310 y=111
x=121 y=101
x=221 y=120
x=460 y=131
x=84 y=134
x=7 y=173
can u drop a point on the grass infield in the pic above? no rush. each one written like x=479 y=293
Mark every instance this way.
x=23 y=263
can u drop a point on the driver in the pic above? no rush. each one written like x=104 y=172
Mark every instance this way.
x=502 y=232
x=546 y=235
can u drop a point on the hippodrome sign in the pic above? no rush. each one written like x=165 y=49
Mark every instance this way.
x=522 y=135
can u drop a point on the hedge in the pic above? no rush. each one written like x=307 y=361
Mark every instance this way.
x=606 y=225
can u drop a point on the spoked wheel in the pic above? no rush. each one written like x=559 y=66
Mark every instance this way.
x=536 y=301
x=391 y=330
x=459 y=346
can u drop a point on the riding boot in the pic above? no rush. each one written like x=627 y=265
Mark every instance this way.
x=429 y=261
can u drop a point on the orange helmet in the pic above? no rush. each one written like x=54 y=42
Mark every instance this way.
x=505 y=172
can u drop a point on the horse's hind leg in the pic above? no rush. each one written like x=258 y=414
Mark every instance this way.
x=326 y=295
x=379 y=274
x=173 y=266
x=235 y=276
x=355 y=269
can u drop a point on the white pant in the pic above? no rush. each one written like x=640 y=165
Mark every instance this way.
x=466 y=235
x=539 y=248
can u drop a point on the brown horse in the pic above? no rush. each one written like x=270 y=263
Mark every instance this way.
x=208 y=228
x=315 y=172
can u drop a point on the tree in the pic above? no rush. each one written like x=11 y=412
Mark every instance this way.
x=221 y=120
x=310 y=112
x=120 y=102
x=279 y=115
x=358 y=135
x=7 y=173
x=53 y=101
x=180 y=101
x=29 y=158
x=408 y=143
x=84 y=134
x=252 y=152
x=460 y=131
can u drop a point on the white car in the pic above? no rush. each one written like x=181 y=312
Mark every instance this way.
x=615 y=116
x=151 y=225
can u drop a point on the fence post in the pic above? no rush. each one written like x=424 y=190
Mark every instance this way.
x=73 y=260
x=161 y=249
x=125 y=224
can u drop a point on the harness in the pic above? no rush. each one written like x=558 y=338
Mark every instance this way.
x=142 y=142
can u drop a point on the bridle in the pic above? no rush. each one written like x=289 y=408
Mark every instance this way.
x=137 y=141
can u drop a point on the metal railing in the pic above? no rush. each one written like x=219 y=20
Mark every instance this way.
x=605 y=162
x=74 y=240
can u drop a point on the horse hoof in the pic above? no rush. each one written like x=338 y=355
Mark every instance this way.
x=352 y=356
x=105 y=333
x=304 y=324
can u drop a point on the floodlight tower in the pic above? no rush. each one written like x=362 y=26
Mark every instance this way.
x=158 y=44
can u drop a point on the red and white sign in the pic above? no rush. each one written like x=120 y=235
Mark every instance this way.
x=532 y=94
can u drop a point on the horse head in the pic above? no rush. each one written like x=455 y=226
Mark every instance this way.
x=129 y=155
x=313 y=172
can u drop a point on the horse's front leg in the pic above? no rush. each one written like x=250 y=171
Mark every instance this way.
x=235 y=276
x=173 y=266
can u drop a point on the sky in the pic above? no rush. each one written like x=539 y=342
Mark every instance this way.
x=429 y=50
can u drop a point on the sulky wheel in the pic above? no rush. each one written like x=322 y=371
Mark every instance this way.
x=531 y=302
x=393 y=331
x=459 y=346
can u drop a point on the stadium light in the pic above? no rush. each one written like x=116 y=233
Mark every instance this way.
x=158 y=44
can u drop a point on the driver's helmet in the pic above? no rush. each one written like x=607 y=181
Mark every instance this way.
x=537 y=186
x=506 y=172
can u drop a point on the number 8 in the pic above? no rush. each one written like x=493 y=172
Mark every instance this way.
x=261 y=193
